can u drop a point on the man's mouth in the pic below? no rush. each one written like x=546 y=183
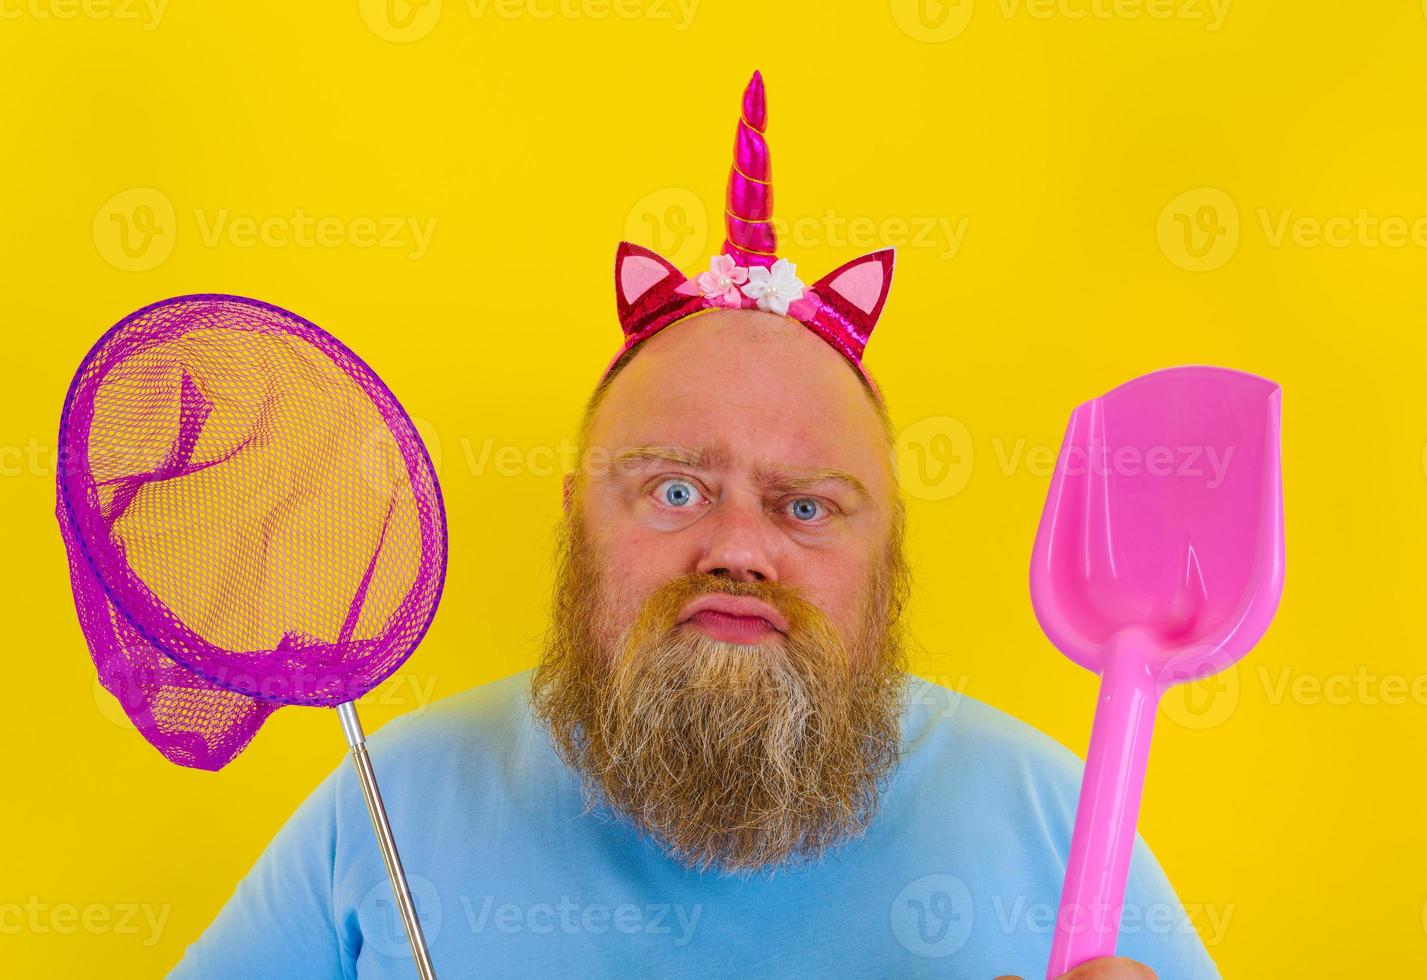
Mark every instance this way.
x=736 y=619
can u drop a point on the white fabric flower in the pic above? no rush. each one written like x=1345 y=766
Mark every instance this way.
x=774 y=288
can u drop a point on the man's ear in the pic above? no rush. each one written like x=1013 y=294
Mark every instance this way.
x=568 y=485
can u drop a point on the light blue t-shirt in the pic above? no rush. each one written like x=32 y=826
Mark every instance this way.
x=958 y=876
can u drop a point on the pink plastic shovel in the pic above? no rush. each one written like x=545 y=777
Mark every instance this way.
x=1159 y=559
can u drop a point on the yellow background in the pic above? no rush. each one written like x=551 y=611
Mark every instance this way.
x=1124 y=171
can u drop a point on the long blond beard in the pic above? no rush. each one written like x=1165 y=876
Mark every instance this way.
x=734 y=757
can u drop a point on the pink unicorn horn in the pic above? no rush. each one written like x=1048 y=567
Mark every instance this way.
x=749 y=211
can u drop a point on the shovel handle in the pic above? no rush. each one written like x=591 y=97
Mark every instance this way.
x=1088 y=923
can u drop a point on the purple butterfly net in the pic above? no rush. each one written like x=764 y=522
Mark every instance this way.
x=251 y=521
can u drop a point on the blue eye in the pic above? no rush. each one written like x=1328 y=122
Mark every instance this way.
x=805 y=509
x=678 y=493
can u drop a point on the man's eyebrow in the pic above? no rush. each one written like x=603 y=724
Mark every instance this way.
x=806 y=481
x=708 y=457
x=700 y=457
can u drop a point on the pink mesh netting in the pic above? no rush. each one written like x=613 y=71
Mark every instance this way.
x=250 y=517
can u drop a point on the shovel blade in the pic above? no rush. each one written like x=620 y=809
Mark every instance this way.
x=1165 y=517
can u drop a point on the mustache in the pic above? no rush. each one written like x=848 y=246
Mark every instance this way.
x=663 y=606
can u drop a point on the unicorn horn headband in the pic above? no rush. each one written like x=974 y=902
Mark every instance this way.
x=842 y=307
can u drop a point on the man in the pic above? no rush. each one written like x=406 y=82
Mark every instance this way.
x=719 y=768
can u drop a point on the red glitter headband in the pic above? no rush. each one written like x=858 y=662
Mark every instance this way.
x=842 y=307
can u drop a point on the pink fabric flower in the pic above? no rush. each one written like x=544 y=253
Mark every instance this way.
x=806 y=308
x=720 y=284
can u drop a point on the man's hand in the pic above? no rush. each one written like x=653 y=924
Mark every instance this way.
x=1106 y=968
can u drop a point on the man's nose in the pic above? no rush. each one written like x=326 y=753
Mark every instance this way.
x=739 y=543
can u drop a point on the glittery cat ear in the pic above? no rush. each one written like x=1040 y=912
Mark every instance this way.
x=640 y=276
x=858 y=291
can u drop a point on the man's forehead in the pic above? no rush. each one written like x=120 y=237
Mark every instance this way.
x=742 y=390
x=762 y=444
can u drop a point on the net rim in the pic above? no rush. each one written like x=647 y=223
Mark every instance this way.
x=111 y=592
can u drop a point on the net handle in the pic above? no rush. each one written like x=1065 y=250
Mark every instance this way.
x=357 y=742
